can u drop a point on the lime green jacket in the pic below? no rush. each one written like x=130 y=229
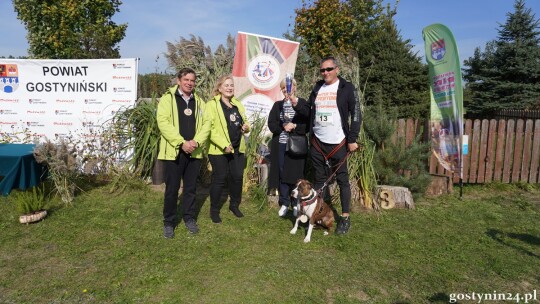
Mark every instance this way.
x=219 y=135
x=167 y=120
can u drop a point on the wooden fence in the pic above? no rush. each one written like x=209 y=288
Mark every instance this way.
x=506 y=151
x=510 y=114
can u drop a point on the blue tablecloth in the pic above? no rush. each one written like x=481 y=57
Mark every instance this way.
x=18 y=167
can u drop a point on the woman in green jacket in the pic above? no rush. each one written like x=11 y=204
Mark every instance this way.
x=227 y=146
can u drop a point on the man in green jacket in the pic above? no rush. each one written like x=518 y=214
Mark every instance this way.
x=184 y=127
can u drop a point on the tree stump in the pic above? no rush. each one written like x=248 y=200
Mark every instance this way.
x=388 y=197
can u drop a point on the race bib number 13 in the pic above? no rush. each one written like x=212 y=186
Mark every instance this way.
x=324 y=119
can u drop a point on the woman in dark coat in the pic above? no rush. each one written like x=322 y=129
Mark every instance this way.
x=288 y=116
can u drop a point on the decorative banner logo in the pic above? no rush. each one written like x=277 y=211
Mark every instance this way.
x=36 y=101
x=121 y=66
x=8 y=112
x=121 y=90
x=9 y=78
x=438 y=49
x=257 y=105
x=92 y=101
x=263 y=72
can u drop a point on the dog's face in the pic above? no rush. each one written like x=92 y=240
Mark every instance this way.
x=303 y=188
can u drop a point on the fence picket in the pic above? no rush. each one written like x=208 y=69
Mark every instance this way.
x=508 y=151
x=518 y=150
x=475 y=149
x=490 y=155
x=526 y=160
x=534 y=174
x=411 y=132
x=482 y=154
x=499 y=150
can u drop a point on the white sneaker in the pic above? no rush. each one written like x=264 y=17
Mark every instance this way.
x=283 y=210
x=295 y=211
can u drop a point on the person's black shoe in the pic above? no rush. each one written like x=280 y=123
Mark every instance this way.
x=168 y=232
x=343 y=225
x=191 y=226
x=236 y=211
x=216 y=219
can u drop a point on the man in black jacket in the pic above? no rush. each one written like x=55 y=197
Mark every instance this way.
x=333 y=101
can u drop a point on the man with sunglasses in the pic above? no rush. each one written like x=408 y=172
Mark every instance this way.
x=335 y=122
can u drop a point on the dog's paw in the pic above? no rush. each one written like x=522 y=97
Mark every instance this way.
x=326 y=232
x=293 y=231
x=307 y=240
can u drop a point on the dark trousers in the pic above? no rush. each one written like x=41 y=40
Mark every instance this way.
x=323 y=171
x=186 y=169
x=226 y=168
x=284 y=188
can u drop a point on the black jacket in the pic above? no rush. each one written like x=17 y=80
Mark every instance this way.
x=348 y=105
x=294 y=166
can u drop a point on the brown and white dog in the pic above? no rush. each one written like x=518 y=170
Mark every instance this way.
x=311 y=207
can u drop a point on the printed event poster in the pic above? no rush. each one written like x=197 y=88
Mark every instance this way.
x=260 y=63
x=446 y=96
x=53 y=99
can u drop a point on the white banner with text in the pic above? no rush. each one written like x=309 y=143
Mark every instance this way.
x=57 y=98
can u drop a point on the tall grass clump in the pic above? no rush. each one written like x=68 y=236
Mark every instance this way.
x=62 y=169
x=209 y=66
x=362 y=174
x=254 y=140
x=138 y=136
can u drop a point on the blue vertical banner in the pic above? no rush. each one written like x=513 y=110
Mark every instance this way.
x=446 y=93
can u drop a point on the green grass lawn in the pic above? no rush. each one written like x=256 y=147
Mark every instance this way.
x=109 y=248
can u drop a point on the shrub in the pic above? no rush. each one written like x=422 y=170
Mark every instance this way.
x=29 y=201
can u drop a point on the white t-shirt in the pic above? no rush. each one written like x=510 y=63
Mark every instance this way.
x=327 y=126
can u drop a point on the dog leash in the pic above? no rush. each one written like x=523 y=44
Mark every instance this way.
x=333 y=173
x=315 y=142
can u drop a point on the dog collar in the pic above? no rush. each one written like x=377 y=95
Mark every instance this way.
x=310 y=199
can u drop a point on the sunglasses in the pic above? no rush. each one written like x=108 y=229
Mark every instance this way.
x=327 y=69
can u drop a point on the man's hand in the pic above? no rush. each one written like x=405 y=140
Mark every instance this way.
x=229 y=149
x=352 y=147
x=189 y=146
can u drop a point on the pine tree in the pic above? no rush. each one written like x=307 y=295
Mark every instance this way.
x=395 y=163
x=507 y=74
x=387 y=63
x=398 y=77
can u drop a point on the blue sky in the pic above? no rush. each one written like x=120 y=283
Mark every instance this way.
x=152 y=23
